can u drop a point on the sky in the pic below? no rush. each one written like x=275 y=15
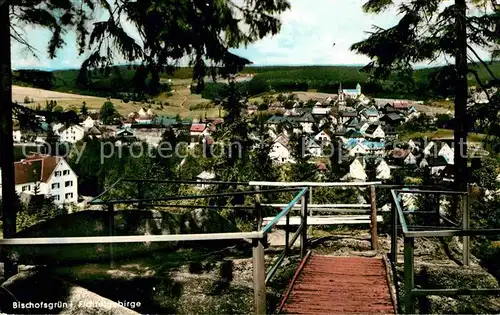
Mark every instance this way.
x=307 y=37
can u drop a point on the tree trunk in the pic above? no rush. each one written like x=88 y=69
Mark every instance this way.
x=460 y=135
x=9 y=198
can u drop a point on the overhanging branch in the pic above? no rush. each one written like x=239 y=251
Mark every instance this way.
x=483 y=63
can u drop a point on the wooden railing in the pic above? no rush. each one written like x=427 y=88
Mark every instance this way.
x=261 y=274
x=399 y=225
x=258 y=238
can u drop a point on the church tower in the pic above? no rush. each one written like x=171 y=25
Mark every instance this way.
x=341 y=94
x=358 y=88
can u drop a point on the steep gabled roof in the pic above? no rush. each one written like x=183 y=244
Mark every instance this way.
x=400 y=153
x=35 y=168
x=93 y=131
x=371 y=129
x=391 y=117
x=283 y=140
x=197 y=127
x=353 y=134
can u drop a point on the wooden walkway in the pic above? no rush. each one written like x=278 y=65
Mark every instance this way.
x=340 y=285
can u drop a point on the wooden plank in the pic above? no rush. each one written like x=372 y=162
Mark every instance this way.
x=339 y=285
x=333 y=220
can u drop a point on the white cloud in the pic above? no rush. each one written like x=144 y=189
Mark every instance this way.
x=307 y=37
x=310 y=30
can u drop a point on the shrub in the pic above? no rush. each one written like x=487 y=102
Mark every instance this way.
x=27 y=100
x=126 y=100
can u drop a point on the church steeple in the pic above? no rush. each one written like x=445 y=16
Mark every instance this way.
x=341 y=94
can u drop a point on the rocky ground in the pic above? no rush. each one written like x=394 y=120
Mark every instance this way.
x=218 y=279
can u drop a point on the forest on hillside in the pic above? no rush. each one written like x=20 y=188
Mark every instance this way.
x=426 y=83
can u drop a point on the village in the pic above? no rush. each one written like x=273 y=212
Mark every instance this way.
x=347 y=128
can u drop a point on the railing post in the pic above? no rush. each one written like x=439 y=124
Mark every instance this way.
x=303 y=216
x=373 y=204
x=394 y=237
x=466 y=226
x=287 y=233
x=258 y=209
x=310 y=200
x=310 y=189
x=259 y=277
x=111 y=227
x=408 y=275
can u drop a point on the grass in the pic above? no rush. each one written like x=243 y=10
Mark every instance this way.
x=178 y=103
x=440 y=133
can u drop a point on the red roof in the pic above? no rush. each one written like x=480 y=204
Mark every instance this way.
x=197 y=127
x=321 y=166
x=35 y=168
x=283 y=140
x=400 y=104
x=400 y=153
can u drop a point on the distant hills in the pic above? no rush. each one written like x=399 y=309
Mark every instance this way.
x=428 y=83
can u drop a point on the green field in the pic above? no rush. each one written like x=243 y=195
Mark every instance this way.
x=440 y=133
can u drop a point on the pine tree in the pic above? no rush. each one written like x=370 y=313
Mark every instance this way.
x=181 y=28
x=83 y=109
x=429 y=30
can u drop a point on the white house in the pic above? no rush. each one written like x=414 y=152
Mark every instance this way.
x=314 y=148
x=424 y=163
x=307 y=123
x=196 y=131
x=358 y=149
x=437 y=149
x=375 y=131
x=357 y=170
x=364 y=127
x=447 y=153
x=412 y=145
x=203 y=177
x=89 y=123
x=280 y=151
x=47 y=175
x=323 y=137
x=16 y=135
x=410 y=159
x=71 y=134
x=383 y=170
